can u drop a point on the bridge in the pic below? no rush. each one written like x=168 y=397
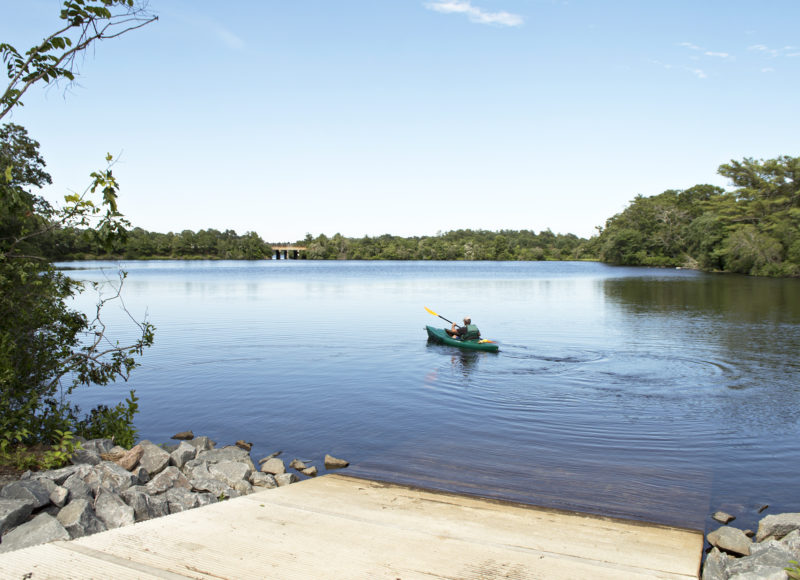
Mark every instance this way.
x=289 y=252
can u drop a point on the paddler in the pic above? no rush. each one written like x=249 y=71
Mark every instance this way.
x=467 y=332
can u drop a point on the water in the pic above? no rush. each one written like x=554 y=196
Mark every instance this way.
x=659 y=395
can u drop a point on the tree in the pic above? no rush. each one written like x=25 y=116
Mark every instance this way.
x=47 y=349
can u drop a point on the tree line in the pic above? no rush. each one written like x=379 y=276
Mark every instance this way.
x=753 y=229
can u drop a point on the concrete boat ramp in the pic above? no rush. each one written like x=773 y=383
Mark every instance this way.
x=343 y=527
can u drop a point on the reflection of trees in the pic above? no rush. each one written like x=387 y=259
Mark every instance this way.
x=737 y=298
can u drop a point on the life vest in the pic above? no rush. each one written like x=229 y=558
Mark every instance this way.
x=472 y=333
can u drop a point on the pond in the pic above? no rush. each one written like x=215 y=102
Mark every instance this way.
x=651 y=394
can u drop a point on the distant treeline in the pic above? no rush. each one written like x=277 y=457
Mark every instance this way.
x=753 y=229
x=139 y=244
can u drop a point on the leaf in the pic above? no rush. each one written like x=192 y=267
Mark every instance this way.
x=8 y=173
x=109 y=157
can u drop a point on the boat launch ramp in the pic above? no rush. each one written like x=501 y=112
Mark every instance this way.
x=337 y=526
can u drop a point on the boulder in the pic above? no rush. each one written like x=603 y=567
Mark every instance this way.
x=309 y=471
x=57 y=476
x=230 y=472
x=169 y=478
x=112 y=510
x=714 y=566
x=183 y=453
x=767 y=560
x=145 y=506
x=731 y=540
x=113 y=477
x=241 y=444
x=334 y=463
x=722 y=517
x=298 y=465
x=154 y=459
x=79 y=519
x=130 y=459
x=230 y=453
x=202 y=443
x=78 y=488
x=183 y=435
x=211 y=486
x=59 y=496
x=13 y=512
x=181 y=499
x=266 y=480
x=36 y=491
x=98 y=446
x=40 y=530
x=777 y=526
x=283 y=479
x=273 y=466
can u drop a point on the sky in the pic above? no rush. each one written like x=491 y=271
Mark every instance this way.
x=413 y=117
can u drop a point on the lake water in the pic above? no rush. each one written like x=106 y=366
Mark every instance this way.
x=651 y=394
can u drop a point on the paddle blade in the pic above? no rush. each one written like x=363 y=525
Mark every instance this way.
x=430 y=311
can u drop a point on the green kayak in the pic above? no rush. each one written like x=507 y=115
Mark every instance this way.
x=439 y=335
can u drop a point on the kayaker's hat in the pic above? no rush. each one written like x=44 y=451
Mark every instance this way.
x=467 y=320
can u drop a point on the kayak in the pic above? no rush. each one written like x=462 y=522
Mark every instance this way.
x=439 y=335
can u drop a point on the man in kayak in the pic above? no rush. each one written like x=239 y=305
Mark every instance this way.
x=467 y=332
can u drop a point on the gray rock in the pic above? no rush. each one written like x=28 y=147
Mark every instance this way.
x=79 y=519
x=169 y=478
x=114 y=478
x=265 y=480
x=154 y=459
x=714 y=566
x=298 y=465
x=98 y=446
x=185 y=452
x=141 y=474
x=57 y=476
x=112 y=510
x=230 y=453
x=777 y=526
x=283 y=479
x=197 y=469
x=212 y=486
x=40 y=530
x=181 y=499
x=145 y=506
x=85 y=456
x=35 y=491
x=765 y=558
x=59 y=496
x=310 y=471
x=13 y=512
x=243 y=487
x=230 y=472
x=202 y=443
x=273 y=466
x=722 y=517
x=792 y=542
x=334 y=463
x=730 y=540
x=78 y=488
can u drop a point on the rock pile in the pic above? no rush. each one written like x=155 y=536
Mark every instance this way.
x=734 y=554
x=108 y=486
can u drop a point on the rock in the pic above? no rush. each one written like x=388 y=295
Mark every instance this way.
x=40 y=530
x=763 y=507
x=84 y=456
x=230 y=453
x=270 y=456
x=112 y=510
x=79 y=519
x=78 y=488
x=212 y=486
x=98 y=446
x=298 y=465
x=35 y=491
x=113 y=455
x=113 y=477
x=184 y=452
x=57 y=476
x=154 y=459
x=202 y=443
x=145 y=506
x=241 y=444
x=130 y=459
x=722 y=517
x=309 y=471
x=792 y=541
x=334 y=463
x=180 y=500
x=169 y=478
x=777 y=526
x=183 y=435
x=714 y=566
x=230 y=472
x=59 y=496
x=273 y=466
x=730 y=540
x=13 y=512
x=266 y=480
x=283 y=479
x=767 y=560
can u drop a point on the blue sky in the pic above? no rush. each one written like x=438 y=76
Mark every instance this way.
x=410 y=117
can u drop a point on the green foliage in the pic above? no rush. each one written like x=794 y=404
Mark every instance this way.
x=14 y=452
x=754 y=229
x=793 y=572
x=114 y=422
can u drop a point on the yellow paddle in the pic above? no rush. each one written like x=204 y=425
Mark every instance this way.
x=439 y=315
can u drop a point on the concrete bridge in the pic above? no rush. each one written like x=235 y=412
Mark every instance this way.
x=290 y=252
